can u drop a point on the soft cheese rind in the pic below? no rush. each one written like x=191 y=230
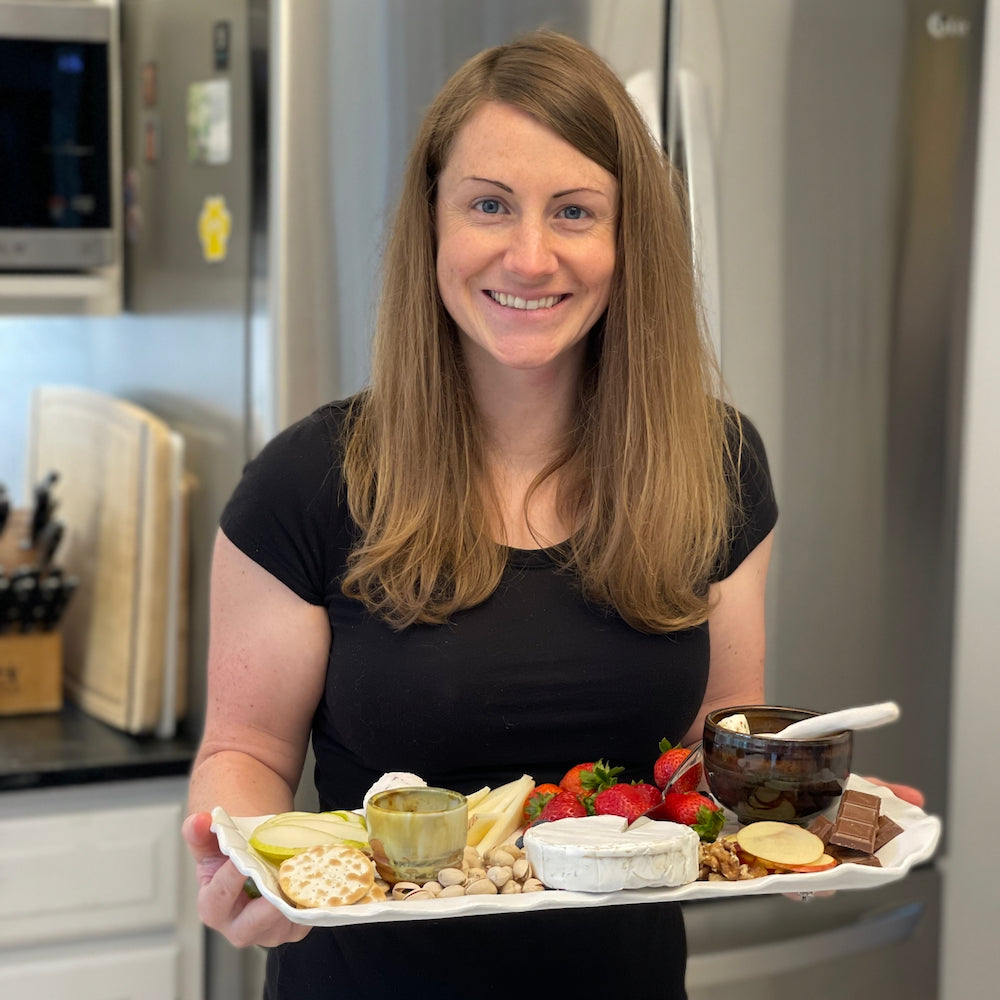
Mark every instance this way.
x=598 y=854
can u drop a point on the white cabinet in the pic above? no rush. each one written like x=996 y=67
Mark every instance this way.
x=97 y=894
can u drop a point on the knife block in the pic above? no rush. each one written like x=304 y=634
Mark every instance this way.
x=31 y=664
x=30 y=673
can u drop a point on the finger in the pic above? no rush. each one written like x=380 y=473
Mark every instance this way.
x=905 y=792
x=197 y=831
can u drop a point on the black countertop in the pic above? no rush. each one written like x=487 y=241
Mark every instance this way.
x=72 y=748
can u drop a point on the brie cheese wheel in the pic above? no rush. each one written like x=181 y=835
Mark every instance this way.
x=598 y=854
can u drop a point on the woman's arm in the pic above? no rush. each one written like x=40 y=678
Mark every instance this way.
x=736 y=632
x=267 y=659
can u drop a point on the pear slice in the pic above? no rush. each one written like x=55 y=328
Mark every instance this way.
x=287 y=834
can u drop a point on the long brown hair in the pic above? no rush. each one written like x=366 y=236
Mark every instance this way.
x=642 y=479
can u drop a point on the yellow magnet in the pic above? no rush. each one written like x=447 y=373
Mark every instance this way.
x=214 y=226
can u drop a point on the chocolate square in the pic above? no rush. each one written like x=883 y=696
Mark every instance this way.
x=822 y=827
x=888 y=829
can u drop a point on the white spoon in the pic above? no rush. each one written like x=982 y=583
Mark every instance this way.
x=862 y=717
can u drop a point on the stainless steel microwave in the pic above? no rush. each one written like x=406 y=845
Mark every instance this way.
x=56 y=160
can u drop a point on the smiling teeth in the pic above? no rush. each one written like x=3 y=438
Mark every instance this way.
x=517 y=303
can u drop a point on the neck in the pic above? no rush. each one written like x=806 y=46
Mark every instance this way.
x=527 y=415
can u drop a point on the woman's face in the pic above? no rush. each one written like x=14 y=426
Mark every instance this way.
x=526 y=241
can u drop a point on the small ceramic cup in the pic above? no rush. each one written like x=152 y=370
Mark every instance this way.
x=415 y=832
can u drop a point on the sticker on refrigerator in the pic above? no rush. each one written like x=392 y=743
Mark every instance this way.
x=208 y=122
x=214 y=226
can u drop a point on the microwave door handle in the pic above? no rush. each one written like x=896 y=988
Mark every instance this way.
x=694 y=155
x=739 y=966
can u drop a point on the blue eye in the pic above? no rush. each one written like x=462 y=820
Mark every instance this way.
x=574 y=212
x=490 y=206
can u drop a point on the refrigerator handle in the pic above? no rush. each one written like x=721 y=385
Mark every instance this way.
x=740 y=966
x=694 y=155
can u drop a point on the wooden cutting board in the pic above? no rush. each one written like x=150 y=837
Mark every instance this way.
x=122 y=496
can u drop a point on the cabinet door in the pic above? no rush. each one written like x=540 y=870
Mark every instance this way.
x=86 y=873
x=129 y=972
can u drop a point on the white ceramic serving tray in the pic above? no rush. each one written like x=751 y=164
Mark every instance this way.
x=915 y=845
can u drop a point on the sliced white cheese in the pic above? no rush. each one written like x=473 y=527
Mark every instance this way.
x=735 y=723
x=598 y=854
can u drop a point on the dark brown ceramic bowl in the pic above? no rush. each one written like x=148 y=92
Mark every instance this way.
x=765 y=778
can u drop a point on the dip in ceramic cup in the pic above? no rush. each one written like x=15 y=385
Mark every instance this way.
x=415 y=832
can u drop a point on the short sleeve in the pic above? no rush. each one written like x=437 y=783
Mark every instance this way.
x=755 y=508
x=285 y=513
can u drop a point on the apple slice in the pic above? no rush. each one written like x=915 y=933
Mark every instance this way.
x=821 y=864
x=780 y=844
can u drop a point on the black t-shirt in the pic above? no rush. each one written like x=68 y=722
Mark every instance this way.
x=533 y=680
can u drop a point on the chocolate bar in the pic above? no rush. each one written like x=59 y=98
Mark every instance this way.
x=856 y=825
x=887 y=830
x=822 y=827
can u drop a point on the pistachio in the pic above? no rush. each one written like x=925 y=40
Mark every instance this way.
x=475 y=873
x=508 y=888
x=500 y=875
x=522 y=869
x=451 y=876
x=452 y=890
x=403 y=889
x=481 y=887
x=533 y=885
x=419 y=894
x=433 y=887
x=499 y=857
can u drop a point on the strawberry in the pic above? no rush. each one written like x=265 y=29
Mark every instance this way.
x=670 y=759
x=649 y=795
x=630 y=801
x=565 y=805
x=537 y=801
x=589 y=778
x=692 y=809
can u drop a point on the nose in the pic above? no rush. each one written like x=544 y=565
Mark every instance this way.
x=531 y=253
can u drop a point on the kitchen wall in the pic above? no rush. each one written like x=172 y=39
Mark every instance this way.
x=971 y=961
x=180 y=349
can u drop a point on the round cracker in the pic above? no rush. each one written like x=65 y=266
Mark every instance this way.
x=326 y=875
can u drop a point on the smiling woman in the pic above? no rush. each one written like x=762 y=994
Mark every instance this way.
x=503 y=556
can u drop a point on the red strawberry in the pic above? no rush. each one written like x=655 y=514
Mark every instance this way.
x=670 y=759
x=692 y=809
x=650 y=795
x=565 y=805
x=589 y=778
x=630 y=801
x=537 y=801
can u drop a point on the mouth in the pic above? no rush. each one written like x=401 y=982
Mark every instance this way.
x=516 y=302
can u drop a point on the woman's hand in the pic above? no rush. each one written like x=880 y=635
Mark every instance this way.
x=905 y=792
x=222 y=903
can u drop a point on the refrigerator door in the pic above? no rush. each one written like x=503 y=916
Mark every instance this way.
x=830 y=149
x=863 y=944
x=349 y=82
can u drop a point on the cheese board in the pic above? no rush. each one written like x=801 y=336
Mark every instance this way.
x=915 y=845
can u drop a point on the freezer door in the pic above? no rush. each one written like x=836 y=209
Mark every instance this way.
x=830 y=151
x=878 y=944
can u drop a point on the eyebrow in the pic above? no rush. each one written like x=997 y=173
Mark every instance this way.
x=558 y=194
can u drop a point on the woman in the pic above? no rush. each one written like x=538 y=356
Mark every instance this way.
x=508 y=554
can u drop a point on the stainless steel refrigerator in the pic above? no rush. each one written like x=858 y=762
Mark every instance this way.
x=829 y=148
